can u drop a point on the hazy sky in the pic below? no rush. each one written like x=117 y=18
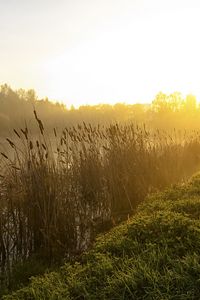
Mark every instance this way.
x=91 y=51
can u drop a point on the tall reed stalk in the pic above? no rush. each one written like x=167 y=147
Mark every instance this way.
x=56 y=193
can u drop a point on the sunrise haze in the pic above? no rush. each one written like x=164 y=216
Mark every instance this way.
x=91 y=51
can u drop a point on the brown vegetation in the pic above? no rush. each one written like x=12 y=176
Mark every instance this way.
x=55 y=196
x=59 y=188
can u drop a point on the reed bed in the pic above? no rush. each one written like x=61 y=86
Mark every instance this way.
x=57 y=193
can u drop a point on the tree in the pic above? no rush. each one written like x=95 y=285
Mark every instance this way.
x=190 y=103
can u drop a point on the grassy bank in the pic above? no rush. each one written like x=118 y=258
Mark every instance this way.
x=58 y=192
x=155 y=255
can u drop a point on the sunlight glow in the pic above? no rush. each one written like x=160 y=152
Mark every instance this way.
x=126 y=55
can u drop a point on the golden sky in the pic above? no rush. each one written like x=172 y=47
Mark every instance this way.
x=92 y=51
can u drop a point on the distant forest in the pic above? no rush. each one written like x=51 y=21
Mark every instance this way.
x=165 y=112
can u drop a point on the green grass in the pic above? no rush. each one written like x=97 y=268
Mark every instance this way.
x=155 y=255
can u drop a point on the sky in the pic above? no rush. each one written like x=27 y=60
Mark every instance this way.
x=100 y=51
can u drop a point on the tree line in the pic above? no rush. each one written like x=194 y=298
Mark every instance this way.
x=164 y=112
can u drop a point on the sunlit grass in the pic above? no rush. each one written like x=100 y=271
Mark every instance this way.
x=56 y=195
x=155 y=255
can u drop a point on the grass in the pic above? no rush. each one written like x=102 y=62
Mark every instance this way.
x=153 y=255
x=57 y=193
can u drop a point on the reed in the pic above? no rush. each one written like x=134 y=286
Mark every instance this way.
x=57 y=192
